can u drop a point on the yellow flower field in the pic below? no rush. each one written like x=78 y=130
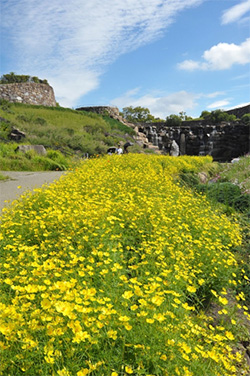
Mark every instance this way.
x=109 y=271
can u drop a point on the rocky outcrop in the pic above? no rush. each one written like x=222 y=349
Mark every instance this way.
x=223 y=142
x=29 y=93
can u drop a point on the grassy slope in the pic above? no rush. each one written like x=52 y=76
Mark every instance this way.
x=72 y=132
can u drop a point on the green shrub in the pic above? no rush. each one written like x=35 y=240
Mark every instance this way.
x=246 y=118
x=226 y=193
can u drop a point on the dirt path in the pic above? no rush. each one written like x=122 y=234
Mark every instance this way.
x=21 y=181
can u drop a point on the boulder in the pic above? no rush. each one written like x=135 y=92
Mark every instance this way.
x=39 y=149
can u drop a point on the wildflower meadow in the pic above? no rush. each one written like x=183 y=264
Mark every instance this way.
x=111 y=271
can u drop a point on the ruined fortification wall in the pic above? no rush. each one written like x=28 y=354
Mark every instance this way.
x=29 y=93
x=101 y=110
x=223 y=141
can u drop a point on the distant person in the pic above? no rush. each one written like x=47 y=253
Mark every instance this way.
x=126 y=146
x=119 y=150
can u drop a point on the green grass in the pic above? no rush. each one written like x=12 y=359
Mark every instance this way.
x=237 y=173
x=74 y=133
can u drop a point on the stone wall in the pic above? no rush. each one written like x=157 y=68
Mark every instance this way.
x=102 y=110
x=223 y=142
x=240 y=111
x=29 y=93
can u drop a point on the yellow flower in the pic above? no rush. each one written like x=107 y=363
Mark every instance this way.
x=191 y=289
x=134 y=307
x=63 y=372
x=229 y=335
x=127 y=294
x=150 y=321
x=83 y=372
x=128 y=370
x=112 y=334
x=124 y=318
x=128 y=326
x=223 y=301
x=157 y=300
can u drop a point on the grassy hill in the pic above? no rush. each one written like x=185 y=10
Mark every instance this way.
x=70 y=132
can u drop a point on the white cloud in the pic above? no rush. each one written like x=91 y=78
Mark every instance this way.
x=159 y=106
x=219 y=104
x=215 y=94
x=72 y=42
x=236 y=12
x=220 y=57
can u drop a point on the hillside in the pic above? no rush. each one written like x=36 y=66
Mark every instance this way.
x=74 y=133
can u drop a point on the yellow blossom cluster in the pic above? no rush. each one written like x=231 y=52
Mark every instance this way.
x=106 y=272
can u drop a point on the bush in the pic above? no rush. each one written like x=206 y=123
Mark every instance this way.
x=173 y=120
x=246 y=119
x=218 y=116
x=226 y=193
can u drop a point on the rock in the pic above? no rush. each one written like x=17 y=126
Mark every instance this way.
x=16 y=134
x=203 y=177
x=174 y=149
x=39 y=149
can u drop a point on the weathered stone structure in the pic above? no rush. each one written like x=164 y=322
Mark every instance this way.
x=223 y=142
x=102 y=110
x=29 y=93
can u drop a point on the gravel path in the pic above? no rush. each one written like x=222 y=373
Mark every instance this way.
x=25 y=180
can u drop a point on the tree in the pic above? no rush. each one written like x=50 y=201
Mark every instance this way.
x=205 y=114
x=246 y=118
x=218 y=116
x=137 y=114
x=173 y=120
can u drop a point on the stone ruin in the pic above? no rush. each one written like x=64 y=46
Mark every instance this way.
x=29 y=93
x=223 y=142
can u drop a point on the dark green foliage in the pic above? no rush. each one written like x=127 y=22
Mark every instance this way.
x=246 y=119
x=226 y=193
x=173 y=120
x=137 y=114
x=218 y=116
x=11 y=78
x=5 y=129
x=205 y=114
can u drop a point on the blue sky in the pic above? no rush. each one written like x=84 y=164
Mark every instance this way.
x=166 y=55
